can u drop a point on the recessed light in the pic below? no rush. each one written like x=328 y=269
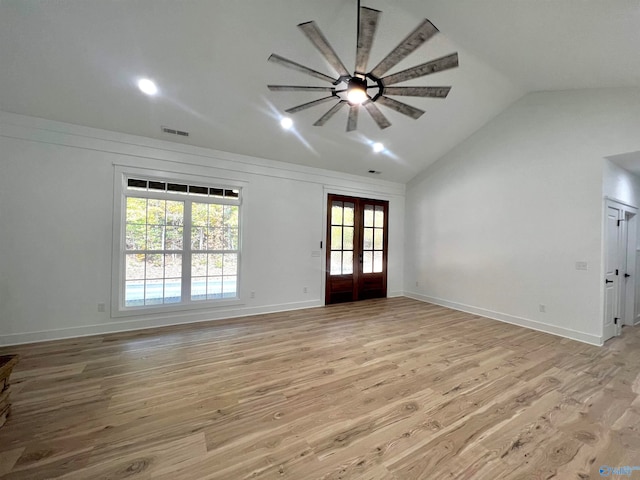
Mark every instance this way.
x=375 y=172
x=286 y=123
x=377 y=147
x=147 y=86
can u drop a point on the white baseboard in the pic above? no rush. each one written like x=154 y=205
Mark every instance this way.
x=141 y=323
x=183 y=318
x=503 y=317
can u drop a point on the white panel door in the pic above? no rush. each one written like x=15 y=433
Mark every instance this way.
x=611 y=272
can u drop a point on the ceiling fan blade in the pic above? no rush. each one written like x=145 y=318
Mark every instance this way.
x=377 y=115
x=400 y=107
x=421 y=34
x=295 y=88
x=332 y=111
x=309 y=104
x=314 y=34
x=300 y=68
x=366 y=32
x=434 y=66
x=352 y=121
x=434 y=92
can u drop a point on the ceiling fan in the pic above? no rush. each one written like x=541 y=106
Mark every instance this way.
x=372 y=88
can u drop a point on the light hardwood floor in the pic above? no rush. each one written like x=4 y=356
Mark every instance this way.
x=382 y=389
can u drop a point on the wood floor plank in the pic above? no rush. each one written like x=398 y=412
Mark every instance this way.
x=391 y=389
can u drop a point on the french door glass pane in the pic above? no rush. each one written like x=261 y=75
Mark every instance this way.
x=367 y=262
x=336 y=213
x=377 y=262
x=368 y=216
x=347 y=263
x=379 y=216
x=368 y=239
x=336 y=238
x=378 y=239
x=336 y=263
x=349 y=213
x=348 y=238
x=341 y=241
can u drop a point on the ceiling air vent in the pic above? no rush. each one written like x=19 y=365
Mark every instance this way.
x=173 y=131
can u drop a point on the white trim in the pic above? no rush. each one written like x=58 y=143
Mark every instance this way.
x=142 y=323
x=519 y=321
x=624 y=204
x=187 y=156
x=121 y=173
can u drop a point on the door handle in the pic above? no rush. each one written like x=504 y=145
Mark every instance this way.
x=608 y=281
x=626 y=275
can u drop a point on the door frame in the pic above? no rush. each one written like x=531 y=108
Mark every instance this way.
x=626 y=300
x=350 y=193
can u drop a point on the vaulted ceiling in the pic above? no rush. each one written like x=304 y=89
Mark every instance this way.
x=78 y=62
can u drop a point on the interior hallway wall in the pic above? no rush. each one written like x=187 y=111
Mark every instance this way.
x=497 y=225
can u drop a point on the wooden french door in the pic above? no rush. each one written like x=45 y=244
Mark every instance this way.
x=357 y=239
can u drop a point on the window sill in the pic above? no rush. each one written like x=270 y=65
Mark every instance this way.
x=118 y=312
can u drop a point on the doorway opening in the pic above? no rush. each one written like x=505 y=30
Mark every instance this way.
x=619 y=267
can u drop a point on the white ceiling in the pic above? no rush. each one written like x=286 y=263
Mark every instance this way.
x=77 y=61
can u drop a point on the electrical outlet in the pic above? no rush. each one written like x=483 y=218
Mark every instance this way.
x=417 y=283
x=581 y=265
x=305 y=289
x=102 y=307
x=253 y=294
x=543 y=308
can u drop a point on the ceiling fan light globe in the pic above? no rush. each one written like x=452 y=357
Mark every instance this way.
x=356 y=96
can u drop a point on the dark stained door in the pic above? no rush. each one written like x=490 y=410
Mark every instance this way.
x=357 y=231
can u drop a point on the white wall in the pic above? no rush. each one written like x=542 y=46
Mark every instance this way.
x=56 y=210
x=496 y=226
x=620 y=184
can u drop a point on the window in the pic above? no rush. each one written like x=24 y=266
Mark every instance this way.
x=179 y=243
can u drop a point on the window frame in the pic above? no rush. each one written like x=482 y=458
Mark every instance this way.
x=121 y=192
